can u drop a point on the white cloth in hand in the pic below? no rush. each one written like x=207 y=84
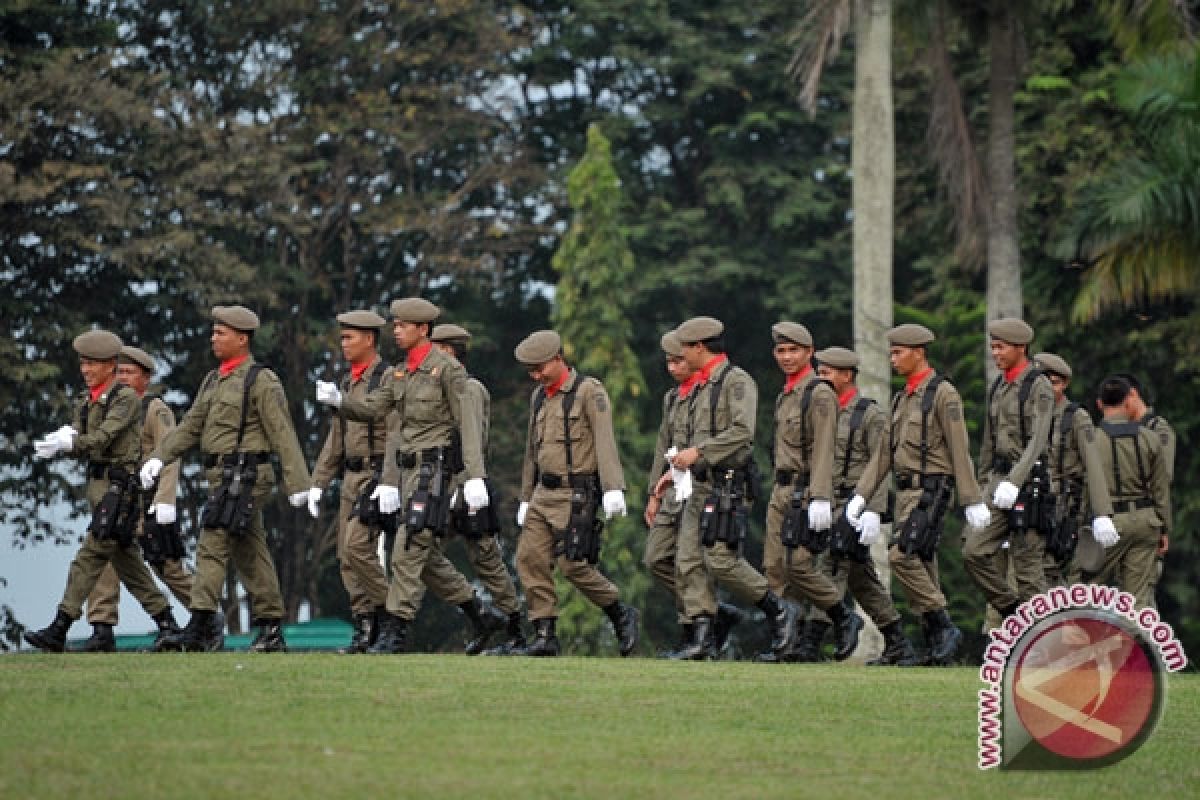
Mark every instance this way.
x=977 y=515
x=868 y=526
x=328 y=394
x=854 y=509
x=44 y=449
x=613 y=503
x=680 y=478
x=64 y=437
x=298 y=499
x=522 y=510
x=149 y=472
x=164 y=513
x=475 y=493
x=1104 y=532
x=314 y=502
x=820 y=515
x=388 y=498
x=1006 y=495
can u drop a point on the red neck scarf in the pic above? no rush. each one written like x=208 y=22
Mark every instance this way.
x=230 y=364
x=357 y=370
x=688 y=384
x=916 y=379
x=417 y=355
x=1012 y=373
x=704 y=373
x=101 y=389
x=792 y=380
x=554 y=388
x=845 y=397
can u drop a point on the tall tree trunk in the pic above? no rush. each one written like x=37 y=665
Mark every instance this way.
x=873 y=160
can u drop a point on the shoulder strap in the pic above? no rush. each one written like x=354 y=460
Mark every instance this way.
x=373 y=381
x=1068 y=422
x=669 y=412
x=1023 y=393
x=927 y=400
x=1119 y=430
x=988 y=410
x=713 y=398
x=251 y=377
x=856 y=419
x=539 y=400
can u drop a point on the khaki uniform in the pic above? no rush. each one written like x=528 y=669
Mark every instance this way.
x=350 y=451
x=663 y=536
x=1166 y=435
x=1076 y=475
x=212 y=424
x=804 y=455
x=103 y=602
x=428 y=409
x=593 y=451
x=900 y=453
x=1135 y=467
x=725 y=439
x=109 y=437
x=1005 y=456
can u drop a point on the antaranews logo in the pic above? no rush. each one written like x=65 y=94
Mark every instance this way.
x=1074 y=679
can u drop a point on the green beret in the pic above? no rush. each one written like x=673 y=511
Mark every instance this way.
x=1011 y=330
x=838 y=358
x=362 y=320
x=414 y=309
x=697 y=329
x=239 y=318
x=1050 y=362
x=671 y=344
x=791 y=332
x=136 y=355
x=910 y=335
x=99 y=345
x=537 y=348
x=450 y=334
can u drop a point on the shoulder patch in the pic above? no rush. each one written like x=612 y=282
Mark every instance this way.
x=1164 y=438
x=601 y=400
x=280 y=398
x=823 y=407
x=1089 y=434
x=953 y=411
x=1045 y=404
x=739 y=391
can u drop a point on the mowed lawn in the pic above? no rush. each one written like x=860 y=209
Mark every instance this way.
x=267 y=726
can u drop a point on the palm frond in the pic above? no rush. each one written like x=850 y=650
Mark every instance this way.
x=817 y=40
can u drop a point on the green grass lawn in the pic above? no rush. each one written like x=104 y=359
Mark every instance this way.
x=263 y=726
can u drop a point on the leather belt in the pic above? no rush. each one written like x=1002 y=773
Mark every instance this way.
x=229 y=459
x=362 y=463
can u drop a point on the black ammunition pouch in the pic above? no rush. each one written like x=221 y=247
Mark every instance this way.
x=1035 y=506
x=366 y=510
x=231 y=507
x=161 y=543
x=361 y=464
x=1063 y=533
x=116 y=516
x=726 y=514
x=428 y=508
x=843 y=543
x=476 y=524
x=922 y=531
x=582 y=538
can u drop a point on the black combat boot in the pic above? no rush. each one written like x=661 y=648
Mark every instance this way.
x=515 y=644
x=165 y=621
x=101 y=640
x=781 y=621
x=269 y=638
x=485 y=621
x=52 y=638
x=200 y=635
x=847 y=624
x=393 y=634
x=728 y=617
x=545 y=642
x=703 y=646
x=625 y=621
x=807 y=649
x=687 y=631
x=364 y=632
x=897 y=650
x=945 y=638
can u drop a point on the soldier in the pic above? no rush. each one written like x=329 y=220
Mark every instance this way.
x=238 y=419
x=571 y=469
x=1135 y=467
x=479 y=529
x=860 y=428
x=106 y=431
x=800 y=515
x=158 y=529
x=355 y=451
x=1012 y=466
x=926 y=449
x=1140 y=410
x=716 y=448
x=432 y=441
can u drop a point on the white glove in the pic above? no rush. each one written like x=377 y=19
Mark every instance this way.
x=1104 y=532
x=164 y=513
x=613 y=503
x=681 y=478
x=328 y=394
x=854 y=509
x=475 y=493
x=298 y=499
x=314 y=502
x=522 y=510
x=149 y=473
x=820 y=515
x=388 y=498
x=44 y=449
x=64 y=437
x=868 y=528
x=1005 y=496
x=977 y=515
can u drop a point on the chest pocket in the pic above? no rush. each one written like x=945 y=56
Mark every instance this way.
x=423 y=398
x=795 y=431
x=553 y=428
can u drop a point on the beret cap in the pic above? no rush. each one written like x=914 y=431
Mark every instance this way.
x=1050 y=362
x=538 y=348
x=671 y=344
x=100 y=345
x=838 y=357
x=136 y=355
x=361 y=319
x=1011 y=330
x=414 y=309
x=910 y=335
x=239 y=318
x=697 y=329
x=450 y=334
x=791 y=332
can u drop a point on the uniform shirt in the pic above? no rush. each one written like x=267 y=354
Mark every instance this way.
x=349 y=438
x=1077 y=460
x=729 y=442
x=157 y=423
x=212 y=423
x=428 y=405
x=1150 y=483
x=589 y=426
x=108 y=429
x=1002 y=428
x=804 y=440
x=672 y=432
x=947 y=454
x=477 y=407
x=849 y=464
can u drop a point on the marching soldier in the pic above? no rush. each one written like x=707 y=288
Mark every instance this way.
x=432 y=442
x=355 y=451
x=1135 y=467
x=800 y=513
x=1139 y=409
x=106 y=431
x=570 y=471
x=158 y=527
x=1012 y=464
x=716 y=448
x=926 y=449
x=238 y=419
x=480 y=528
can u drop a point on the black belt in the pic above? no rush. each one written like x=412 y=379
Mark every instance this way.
x=361 y=463
x=790 y=476
x=1129 y=506
x=410 y=460
x=1001 y=464
x=843 y=492
x=100 y=471
x=586 y=480
x=912 y=480
x=229 y=459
